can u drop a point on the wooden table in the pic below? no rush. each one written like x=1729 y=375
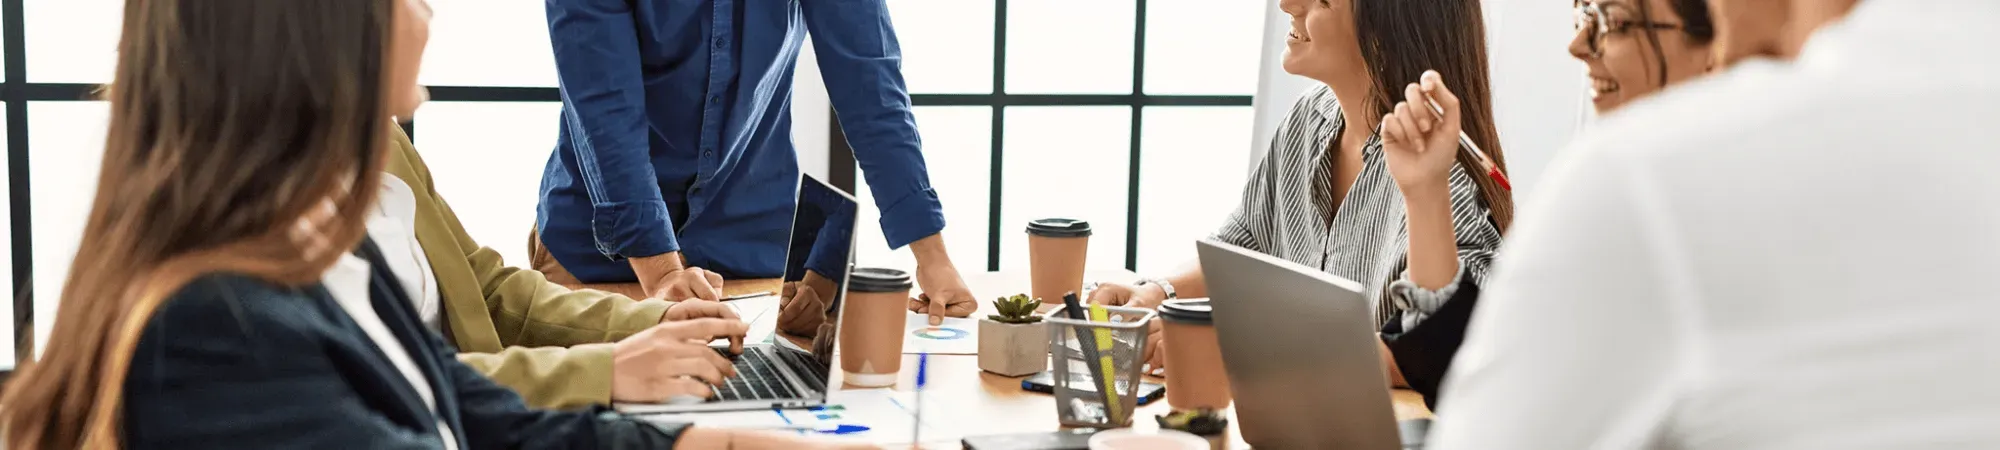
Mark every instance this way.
x=983 y=403
x=732 y=288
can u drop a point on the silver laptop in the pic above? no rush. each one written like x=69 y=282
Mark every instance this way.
x=1300 y=349
x=775 y=373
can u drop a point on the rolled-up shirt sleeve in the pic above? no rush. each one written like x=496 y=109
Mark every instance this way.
x=862 y=63
x=1424 y=355
x=604 y=107
x=1478 y=239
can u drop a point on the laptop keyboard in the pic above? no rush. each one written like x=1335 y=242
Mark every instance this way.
x=757 y=378
x=803 y=364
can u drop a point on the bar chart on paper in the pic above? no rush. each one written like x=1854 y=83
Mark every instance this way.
x=878 y=416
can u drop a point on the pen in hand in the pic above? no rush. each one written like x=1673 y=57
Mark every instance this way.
x=1492 y=170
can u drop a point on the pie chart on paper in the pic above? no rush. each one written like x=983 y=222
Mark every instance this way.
x=940 y=333
x=956 y=336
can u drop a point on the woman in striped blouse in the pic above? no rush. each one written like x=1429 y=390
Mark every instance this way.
x=1365 y=181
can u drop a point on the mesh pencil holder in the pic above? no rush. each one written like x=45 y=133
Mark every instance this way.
x=1081 y=368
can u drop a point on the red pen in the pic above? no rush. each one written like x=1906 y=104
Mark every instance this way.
x=1463 y=139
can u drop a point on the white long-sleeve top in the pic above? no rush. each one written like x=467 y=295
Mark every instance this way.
x=1783 y=256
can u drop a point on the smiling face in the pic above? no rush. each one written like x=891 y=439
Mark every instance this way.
x=1322 y=43
x=1626 y=65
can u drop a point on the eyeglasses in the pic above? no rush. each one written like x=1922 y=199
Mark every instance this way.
x=1592 y=19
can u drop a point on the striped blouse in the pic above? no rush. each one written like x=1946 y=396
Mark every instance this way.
x=1284 y=213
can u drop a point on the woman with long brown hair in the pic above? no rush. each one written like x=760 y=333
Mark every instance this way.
x=217 y=299
x=1368 y=181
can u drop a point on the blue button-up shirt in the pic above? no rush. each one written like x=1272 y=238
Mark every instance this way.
x=677 y=132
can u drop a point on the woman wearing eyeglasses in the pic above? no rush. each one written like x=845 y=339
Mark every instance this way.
x=1634 y=48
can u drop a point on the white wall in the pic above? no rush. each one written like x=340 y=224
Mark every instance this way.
x=65 y=146
x=1276 y=90
x=1538 y=89
x=812 y=114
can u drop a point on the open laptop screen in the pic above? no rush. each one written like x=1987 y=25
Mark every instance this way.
x=820 y=254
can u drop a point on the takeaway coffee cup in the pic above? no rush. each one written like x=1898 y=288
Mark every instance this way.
x=871 y=326
x=1056 y=252
x=1195 y=378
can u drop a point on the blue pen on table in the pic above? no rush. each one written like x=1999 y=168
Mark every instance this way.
x=917 y=422
x=826 y=428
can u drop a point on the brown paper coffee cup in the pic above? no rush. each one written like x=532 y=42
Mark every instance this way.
x=1057 y=250
x=871 y=326
x=1195 y=377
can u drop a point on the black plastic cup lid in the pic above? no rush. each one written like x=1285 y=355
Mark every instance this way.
x=875 y=279
x=1059 y=227
x=1187 y=311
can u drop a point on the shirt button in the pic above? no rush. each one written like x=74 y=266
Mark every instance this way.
x=707 y=152
x=719 y=43
x=715 y=99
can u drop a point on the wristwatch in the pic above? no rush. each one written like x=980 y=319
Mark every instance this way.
x=1164 y=286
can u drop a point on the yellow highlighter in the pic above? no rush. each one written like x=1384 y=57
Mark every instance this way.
x=1114 y=402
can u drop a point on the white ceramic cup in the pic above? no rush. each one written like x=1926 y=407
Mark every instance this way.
x=1129 y=439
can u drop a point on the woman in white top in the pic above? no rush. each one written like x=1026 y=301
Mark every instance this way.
x=1783 y=255
x=243 y=158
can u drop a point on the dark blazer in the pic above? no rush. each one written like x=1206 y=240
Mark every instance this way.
x=234 y=362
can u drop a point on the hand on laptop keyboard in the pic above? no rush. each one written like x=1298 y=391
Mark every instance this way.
x=690 y=310
x=672 y=359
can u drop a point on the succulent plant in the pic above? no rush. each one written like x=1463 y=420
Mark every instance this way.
x=1018 y=309
x=1201 y=422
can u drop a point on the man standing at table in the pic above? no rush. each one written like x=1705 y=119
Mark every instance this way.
x=675 y=166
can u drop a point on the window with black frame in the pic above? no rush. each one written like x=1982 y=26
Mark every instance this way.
x=1132 y=114
x=485 y=134
x=1027 y=108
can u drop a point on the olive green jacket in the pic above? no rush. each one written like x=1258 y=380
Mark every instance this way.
x=545 y=341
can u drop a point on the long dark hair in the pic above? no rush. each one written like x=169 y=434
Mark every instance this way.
x=1694 y=22
x=233 y=123
x=1400 y=39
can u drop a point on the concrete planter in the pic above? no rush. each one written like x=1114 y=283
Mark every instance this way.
x=1013 y=349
